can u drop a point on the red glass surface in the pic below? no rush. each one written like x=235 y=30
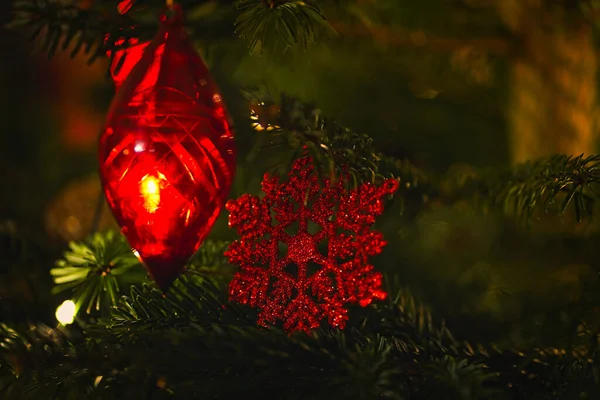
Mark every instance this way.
x=167 y=155
x=124 y=6
x=132 y=55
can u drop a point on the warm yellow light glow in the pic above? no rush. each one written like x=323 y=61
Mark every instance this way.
x=150 y=191
x=257 y=126
x=65 y=313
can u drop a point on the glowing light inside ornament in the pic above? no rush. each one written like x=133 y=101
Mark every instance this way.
x=66 y=312
x=150 y=191
x=139 y=147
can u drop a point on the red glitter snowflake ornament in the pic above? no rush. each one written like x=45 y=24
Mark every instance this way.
x=322 y=225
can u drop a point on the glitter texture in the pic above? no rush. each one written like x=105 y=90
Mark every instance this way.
x=304 y=249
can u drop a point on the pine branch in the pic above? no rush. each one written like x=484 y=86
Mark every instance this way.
x=203 y=358
x=460 y=379
x=551 y=184
x=438 y=363
x=25 y=358
x=100 y=270
x=65 y=25
x=293 y=129
x=519 y=191
x=100 y=29
x=193 y=301
x=185 y=346
x=95 y=271
x=214 y=362
x=279 y=24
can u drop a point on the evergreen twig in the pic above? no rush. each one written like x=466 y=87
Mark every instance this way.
x=66 y=25
x=182 y=346
x=95 y=271
x=551 y=184
x=279 y=24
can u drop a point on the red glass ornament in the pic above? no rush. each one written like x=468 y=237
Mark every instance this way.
x=167 y=154
x=333 y=233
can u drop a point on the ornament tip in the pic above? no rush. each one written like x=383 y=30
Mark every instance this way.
x=164 y=270
x=163 y=284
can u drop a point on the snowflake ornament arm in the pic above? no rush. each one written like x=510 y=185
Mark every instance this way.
x=321 y=225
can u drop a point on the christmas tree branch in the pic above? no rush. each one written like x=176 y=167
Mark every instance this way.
x=527 y=374
x=103 y=27
x=95 y=271
x=552 y=184
x=251 y=358
x=93 y=31
x=38 y=361
x=404 y=343
x=182 y=346
x=406 y=319
x=194 y=301
x=278 y=25
x=290 y=127
x=99 y=271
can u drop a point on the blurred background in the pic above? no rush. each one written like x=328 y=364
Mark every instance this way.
x=52 y=112
x=446 y=84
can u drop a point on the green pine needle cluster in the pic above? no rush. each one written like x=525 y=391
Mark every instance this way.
x=553 y=185
x=293 y=22
x=94 y=270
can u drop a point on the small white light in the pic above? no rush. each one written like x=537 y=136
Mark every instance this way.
x=139 y=147
x=65 y=313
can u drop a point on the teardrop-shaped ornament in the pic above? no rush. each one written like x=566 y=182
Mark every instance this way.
x=167 y=154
